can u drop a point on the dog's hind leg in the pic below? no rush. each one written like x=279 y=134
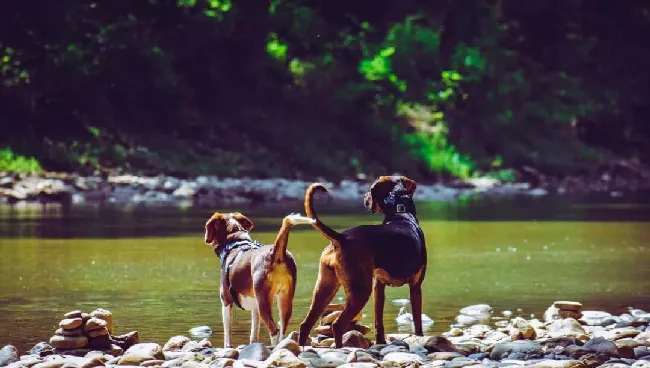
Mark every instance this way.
x=255 y=326
x=226 y=317
x=327 y=285
x=264 y=306
x=379 y=299
x=357 y=296
x=285 y=306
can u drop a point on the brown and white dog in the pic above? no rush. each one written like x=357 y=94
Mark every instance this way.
x=253 y=275
x=369 y=257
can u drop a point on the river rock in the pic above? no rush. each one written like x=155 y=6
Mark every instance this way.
x=431 y=343
x=73 y=314
x=102 y=342
x=288 y=344
x=360 y=356
x=641 y=352
x=602 y=346
x=355 y=339
x=402 y=358
x=359 y=365
x=42 y=349
x=8 y=355
x=566 y=327
x=594 y=318
x=152 y=350
x=521 y=349
x=255 y=351
x=557 y=364
x=520 y=329
x=222 y=363
x=70 y=323
x=73 y=332
x=106 y=315
x=152 y=363
x=176 y=343
x=94 y=323
x=568 y=306
x=283 y=358
x=444 y=355
x=68 y=342
x=102 y=331
x=392 y=349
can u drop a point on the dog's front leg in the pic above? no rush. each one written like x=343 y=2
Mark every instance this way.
x=416 y=303
x=226 y=316
x=255 y=326
x=379 y=299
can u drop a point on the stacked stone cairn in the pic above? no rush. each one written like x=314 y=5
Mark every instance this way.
x=563 y=309
x=354 y=336
x=81 y=332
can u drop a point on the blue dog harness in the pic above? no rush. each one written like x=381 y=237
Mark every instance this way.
x=240 y=246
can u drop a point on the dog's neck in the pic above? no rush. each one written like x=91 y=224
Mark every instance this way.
x=231 y=243
x=398 y=202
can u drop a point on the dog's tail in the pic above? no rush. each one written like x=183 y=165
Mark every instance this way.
x=327 y=231
x=280 y=245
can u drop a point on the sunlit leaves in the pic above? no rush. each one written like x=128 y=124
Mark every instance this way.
x=275 y=48
x=214 y=8
x=11 y=70
x=11 y=162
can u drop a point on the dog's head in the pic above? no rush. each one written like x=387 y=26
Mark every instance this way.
x=222 y=226
x=382 y=188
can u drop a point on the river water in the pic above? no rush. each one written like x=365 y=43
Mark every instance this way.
x=149 y=266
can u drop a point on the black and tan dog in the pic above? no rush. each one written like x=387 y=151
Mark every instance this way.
x=253 y=275
x=370 y=257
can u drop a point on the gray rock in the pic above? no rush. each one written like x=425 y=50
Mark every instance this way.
x=561 y=342
x=641 y=351
x=288 y=344
x=328 y=361
x=255 y=351
x=478 y=356
x=576 y=352
x=392 y=349
x=284 y=358
x=42 y=349
x=460 y=362
x=602 y=346
x=355 y=339
x=447 y=355
x=176 y=343
x=522 y=349
x=593 y=360
x=8 y=355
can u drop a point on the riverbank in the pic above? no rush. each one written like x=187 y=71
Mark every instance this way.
x=213 y=190
x=569 y=337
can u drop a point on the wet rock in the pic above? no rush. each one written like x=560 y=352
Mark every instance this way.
x=460 y=362
x=222 y=363
x=431 y=343
x=522 y=349
x=8 y=355
x=105 y=315
x=566 y=327
x=594 y=318
x=68 y=342
x=360 y=356
x=283 y=358
x=444 y=355
x=568 y=306
x=201 y=332
x=593 y=360
x=576 y=352
x=358 y=365
x=255 y=351
x=557 y=364
x=392 y=349
x=70 y=323
x=641 y=352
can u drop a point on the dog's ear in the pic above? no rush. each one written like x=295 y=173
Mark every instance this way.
x=244 y=221
x=215 y=230
x=378 y=191
x=409 y=184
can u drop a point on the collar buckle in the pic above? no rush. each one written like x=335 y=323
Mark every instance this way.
x=401 y=208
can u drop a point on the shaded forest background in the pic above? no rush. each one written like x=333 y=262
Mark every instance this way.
x=447 y=88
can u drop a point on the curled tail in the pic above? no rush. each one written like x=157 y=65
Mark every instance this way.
x=327 y=231
x=280 y=245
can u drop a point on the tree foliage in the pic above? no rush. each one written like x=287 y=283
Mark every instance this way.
x=320 y=88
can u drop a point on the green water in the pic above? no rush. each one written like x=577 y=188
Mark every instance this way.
x=149 y=266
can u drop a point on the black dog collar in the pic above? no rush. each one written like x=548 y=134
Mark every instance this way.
x=400 y=201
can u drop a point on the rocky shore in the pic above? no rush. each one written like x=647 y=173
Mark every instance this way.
x=569 y=337
x=211 y=190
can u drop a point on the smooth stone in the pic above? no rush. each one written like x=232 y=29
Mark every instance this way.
x=460 y=362
x=557 y=364
x=73 y=314
x=358 y=365
x=444 y=355
x=226 y=353
x=201 y=331
x=324 y=330
x=331 y=317
x=98 y=354
x=567 y=305
x=569 y=314
x=520 y=329
x=402 y=358
x=42 y=349
x=73 y=332
x=615 y=365
x=476 y=310
x=641 y=351
x=392 y=349
x=255 y=351
x=115 y=350
x=149 y=349
x=102 y=331
x=314 y=360
x=593 y=360
x=521 y=349
x=8 y=355
x=133 y=359
x=645 y=335
x=68 y=342
x=152 y=363
x=576 y=352
x=561 y=342
x=431 y=343
x=288 y=344
x=94 y=323
x=468 y=348
x=641 y=364
x=176 y=343
x=70 y=323
x=594 y=317
x=326 y=343
x=355 y=339
x=602 y=346
x=283 y=358
x=566 y=327
x=360 y=356
x=478 y=356
x=107 y=316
